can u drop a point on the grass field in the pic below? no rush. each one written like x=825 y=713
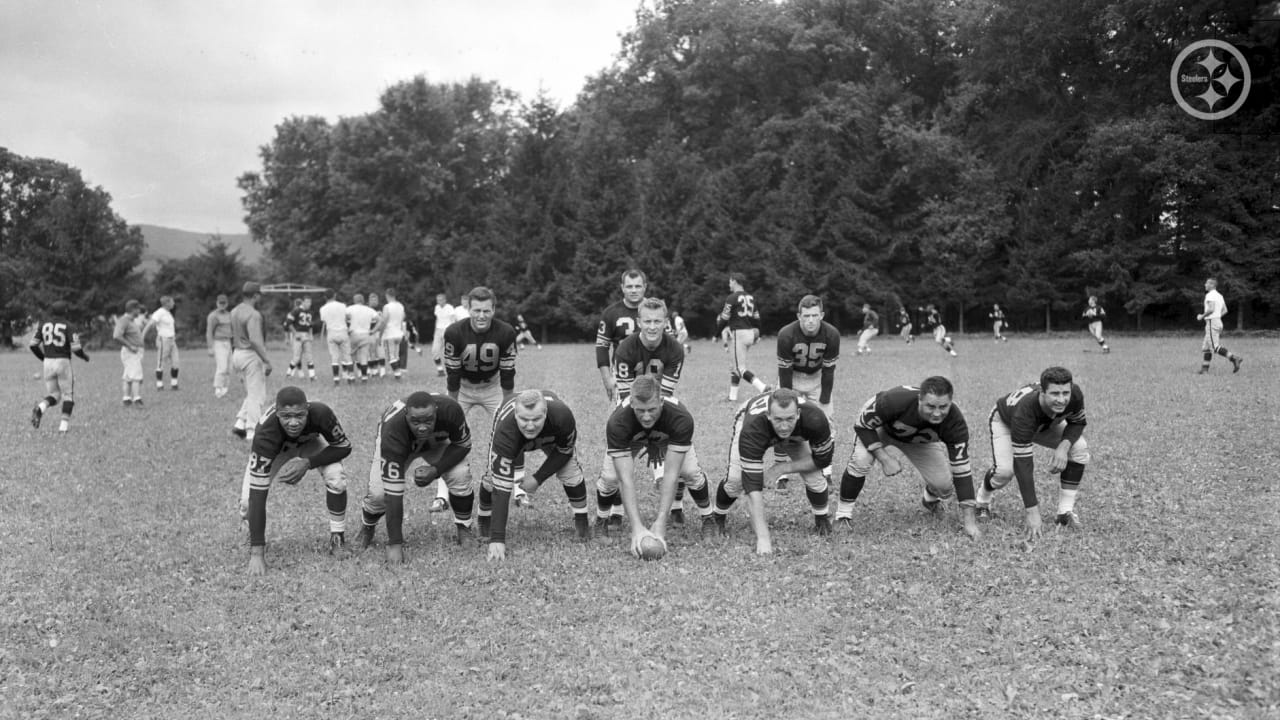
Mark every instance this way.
x=125 y=592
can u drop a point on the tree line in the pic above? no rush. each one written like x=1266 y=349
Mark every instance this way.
x=1028 y=153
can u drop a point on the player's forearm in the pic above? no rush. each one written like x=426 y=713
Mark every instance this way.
x=870 y=439
x=257 y=516
x=1072 y=433
x=329 y=455
x=1024 y=472
x=606 y=374
x=452 y=381
x=755 y=511
x=785 y=376
x=395 y=519
x=602 y=357
x=452 y=455
x=80 y=353
x=507 y=380
x=963 y=484
x=35 y=350
x=630 y=503
x=498 y=520
x=828 y=384
x=551 y=466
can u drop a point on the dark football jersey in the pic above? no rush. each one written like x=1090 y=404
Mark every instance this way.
x=57 y=339
x=870 y=320
x=616 y=324
x=904 y=318
x=756 y=435
x=559 y=435
x=932 y=319
x=269 y=438
x=397 y=444
x=896 y=411
x=299 y=320
x=740 y=312
x=633 y=359
x=1094 y=313
x=1022 y=413
x=996 y=315
x=478 y=357
x=807 y=354
x=625 y=435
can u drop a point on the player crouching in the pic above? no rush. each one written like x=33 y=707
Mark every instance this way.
x=294 y=437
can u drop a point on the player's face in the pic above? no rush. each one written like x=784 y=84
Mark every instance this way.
x=1054 y=398
x=933 y=408
x=652 y=324
x=784 y=419
x=292 y=419
x=481 y=314
x=810 y=320
x=441 y=299
x=306 y=303
x=647 y=411
x=633 y=290
x=531 y=420
x=373 y=299
x=422 y=421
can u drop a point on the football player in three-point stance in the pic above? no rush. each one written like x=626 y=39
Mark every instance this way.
x=780 y=417
x=54 y=343
x=617 y=322
x=293 y=437
x=1051 y=414
x=532 y=420
x=924 y=426
x=742 y=319
x=424 y=437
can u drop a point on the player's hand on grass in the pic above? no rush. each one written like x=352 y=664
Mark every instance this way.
x=1035 y=527
x=395 y=554
x=257 y=561
x=610 y=388
x=764 y=546
x=969 y=519
x=497 y=551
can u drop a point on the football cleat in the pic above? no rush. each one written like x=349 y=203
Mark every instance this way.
x=602 y=526
x=127 y=402
x=524 y=501
x=714 y=524
x=844 y=524
x=137 y=402
x=1236 y=362
x=1068 y=519
x=239 y=432
x=36 y=416
x=366 y=536
x=931 y=504
x=782 y=482
x=677 y=517
x=482 y=527
x=582 y=526
x=1202 y=371
x=439 y=505
x=338 y=545
x=982 y=512
x=822 y=524
x=462 y=534
x=615 y=522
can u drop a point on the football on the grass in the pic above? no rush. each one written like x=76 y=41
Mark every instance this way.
x=651 y=548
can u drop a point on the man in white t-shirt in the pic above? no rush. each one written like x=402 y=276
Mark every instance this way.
x=445 y=317
x=1214 y=308
x=392 y=331
x=362 y=325
x=333 y=316
x=166 y=341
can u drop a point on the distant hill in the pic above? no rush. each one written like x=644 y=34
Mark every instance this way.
x=170 y=244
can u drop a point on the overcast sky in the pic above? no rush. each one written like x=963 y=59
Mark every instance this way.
x=164 y=104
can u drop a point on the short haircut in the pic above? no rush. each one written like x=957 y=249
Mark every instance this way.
x=1211 y=282
x=221 y=298
x=530 y=399
x=784 y=397
x=1055 y=376
x=634 y=273
x=389 y=293
x=166 y=298
x=132 y=305
x=937 y=385
x=357 y=299
x=291 y=395
x=652 y=303
x=333 y=294
x=481 y=293
x=809 y=301
x=420 y=399
x=738 y=278
x=645 y=388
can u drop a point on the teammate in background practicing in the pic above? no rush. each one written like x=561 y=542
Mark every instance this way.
x=681 y=331
x=870 y=328
x=333 y=315
x=923 y=426
x=743 y=320
x=1214 y=308
x=377 y=349
x=407 y=343
x=480 y=363
x=651 y=351
x=299 y=325
x=933 y=323
x=1093 y=314
x=647 y=424
x=444 y=318
x=905 y=325
x=294 y=437
x=1049 y=414
x=780 y=417
x=128 y=332
x=808 y=350
x=616 y=323
x=524 y=335
x=532 y=420
x=217 y=334
x=998 y=323
x=423 y=437
x=393 y=330
x=361 y=321
x=249 y=359
x=166 y=342
x=54 y=343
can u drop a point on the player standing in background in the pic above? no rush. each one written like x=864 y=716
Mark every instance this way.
x=54 y=343
x=1214 y=308
x=742 y=319
x=524 y=335
x=997 y=322
x=361 y=320
x=780 y=417
x=333 y=316
x=424 y=437
x=532 y=420
x=392 y=332
x=617 y=322
x=1093 y=315
x=870 y=328
x=647 y=424
x=299 y=325
x=808 y=350
x=166 y=342
x=924 y=426
x=480 y=363
x=249 y=359
x=933 y=323
x=128 y=332
x=1049 y=414
x=444 y=318
x=217 y=334
x=377 y=354
x=904 y=324
x=681 y=331
x=292 y=438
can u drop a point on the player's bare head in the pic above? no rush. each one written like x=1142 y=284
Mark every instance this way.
x=166 y=301
x=810 y=314
x=930 y=306
x=132 y=307
x=390 y=294
x=1055 y=389
x=291 y=410
x=373 y=298
x=809 y=301
x=297 y=302
x=481 y=308
x=935 y=398
x=441 y=298
x=420 y=413
x=634 y=285
x=652 y=317
x=646 y=400
x=1211 y=284
x=530 y=413
x=1093 y=299
x=357 y=299
x=481 y=294
x=464 y=300
x=646 y=388
x=305 y=302
x=784 y=411
x=221 y=300
x=1055 y=376
x=59 y=307
x=737 y=281
x=332 y=294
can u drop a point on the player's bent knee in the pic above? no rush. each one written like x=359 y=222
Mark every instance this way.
x=1079 y=452
x=1001 y=477
x=334 y=479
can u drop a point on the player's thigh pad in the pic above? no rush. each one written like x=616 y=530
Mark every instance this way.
x=931 y=461
x=1052 y=436
x=1001 y=451
x=607 y=483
